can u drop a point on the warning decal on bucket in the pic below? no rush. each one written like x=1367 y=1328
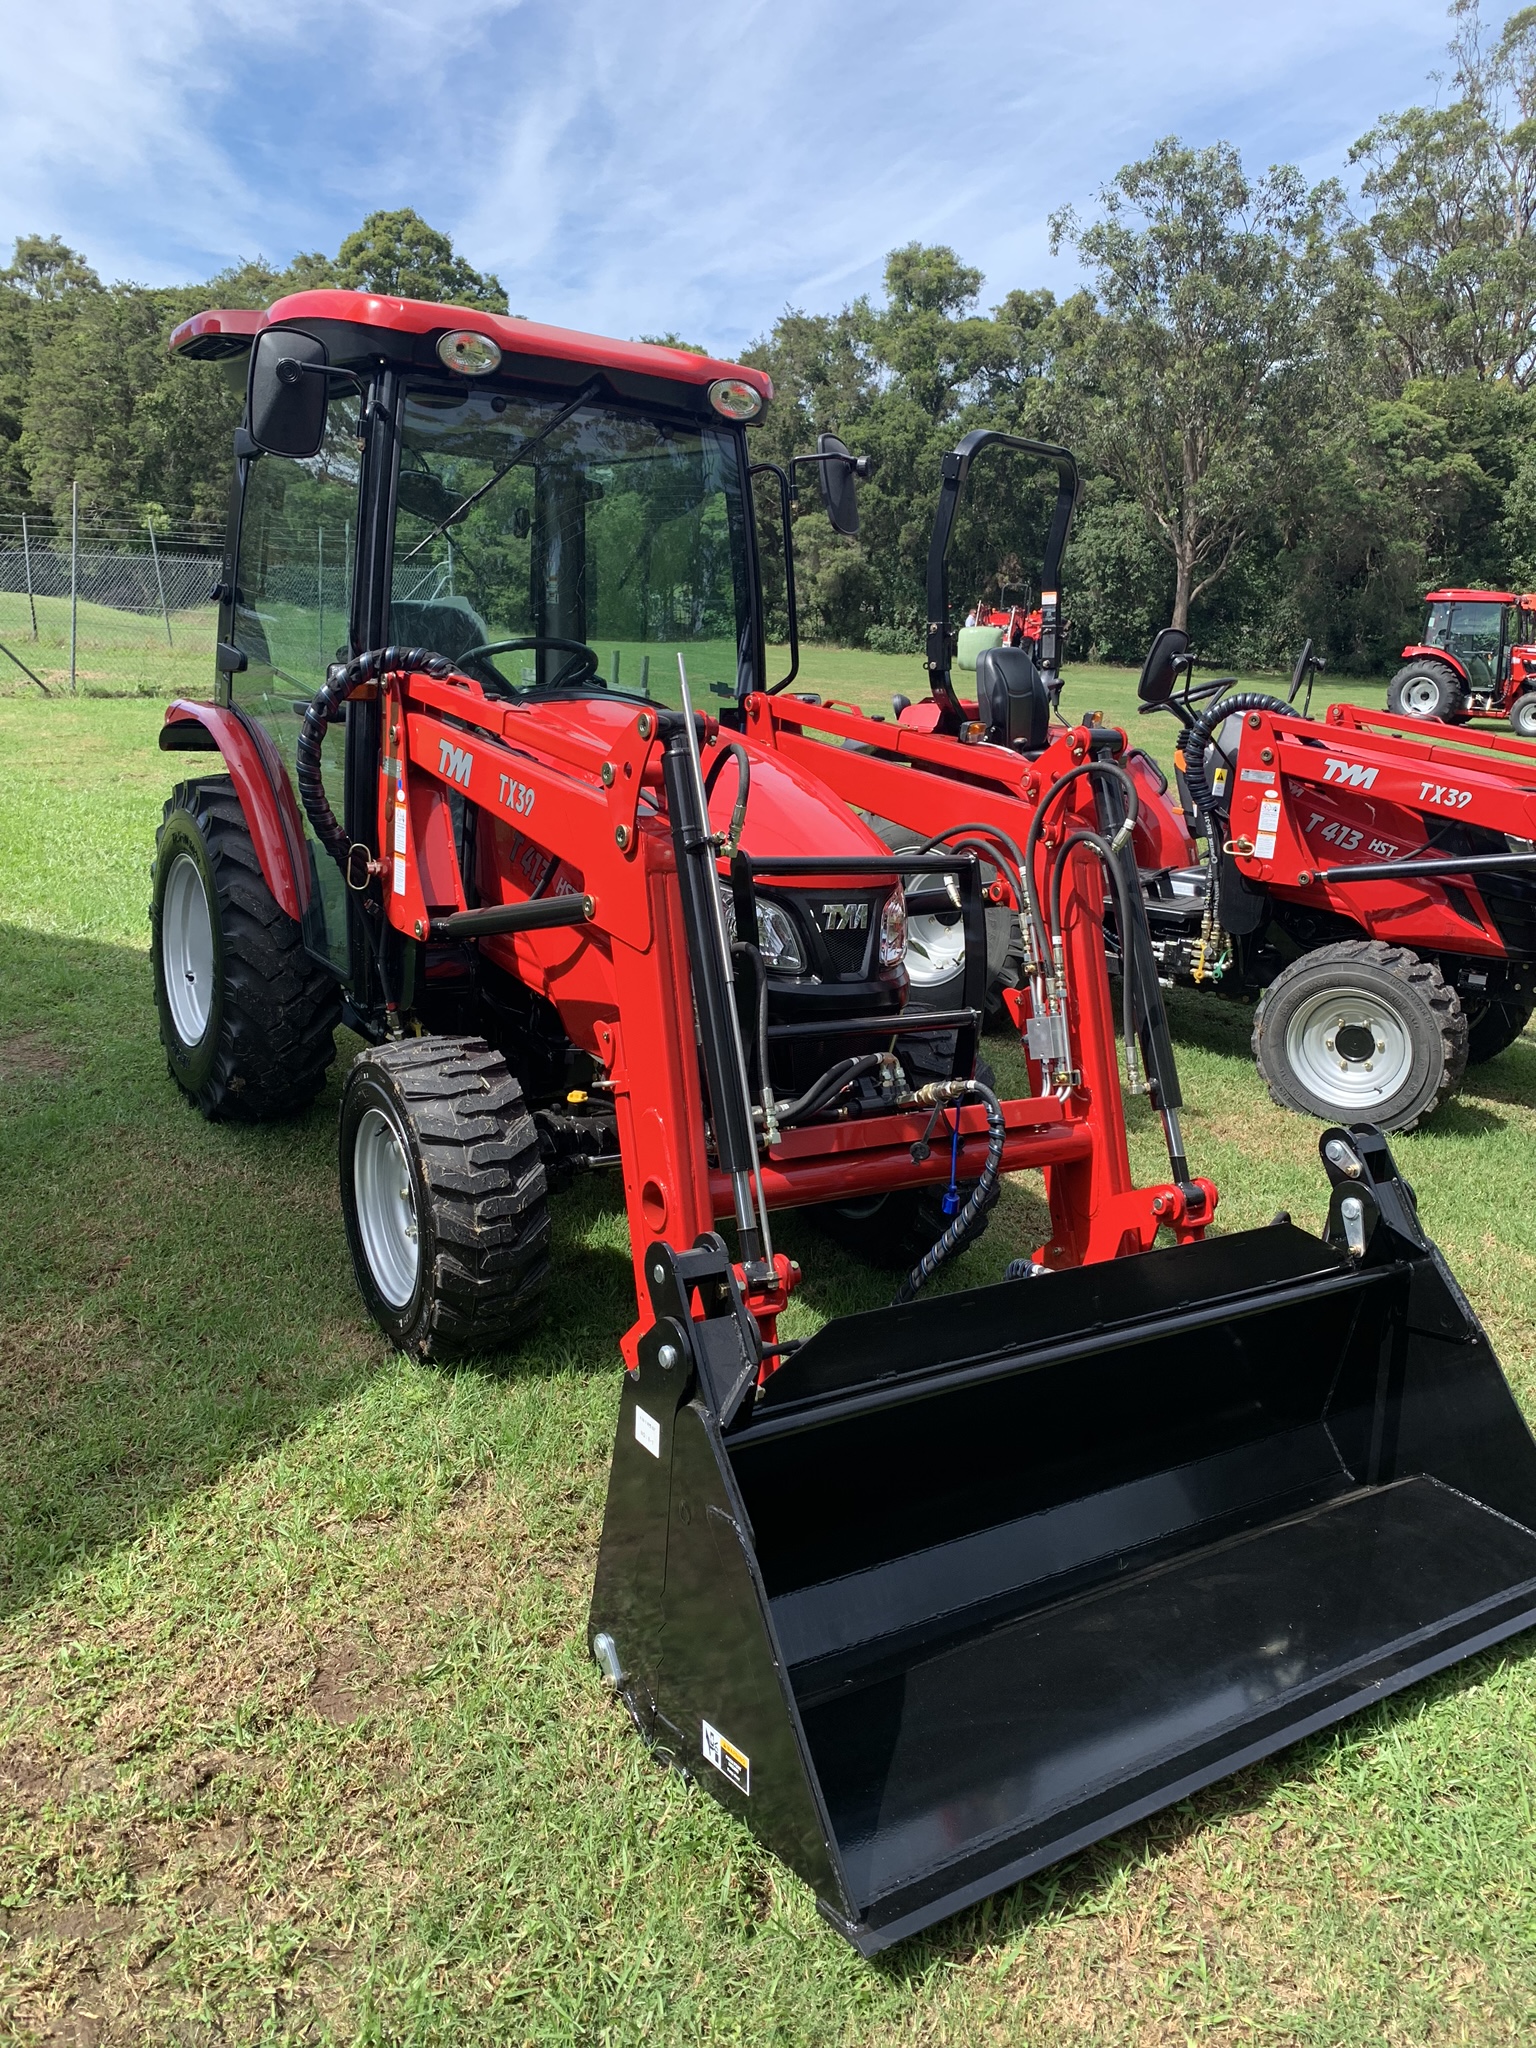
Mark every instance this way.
x=648 y=1432
x=727 y=1759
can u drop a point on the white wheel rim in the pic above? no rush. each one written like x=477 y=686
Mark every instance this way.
x=1350 y=1047
x=1524 y=720
x=1421 y=696
x=935 y=944
x=186 y=950
x=386 y=1207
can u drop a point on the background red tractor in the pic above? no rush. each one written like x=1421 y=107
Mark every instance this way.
x=1477 y=660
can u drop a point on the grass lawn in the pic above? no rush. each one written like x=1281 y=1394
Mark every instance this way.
x=298 y=1737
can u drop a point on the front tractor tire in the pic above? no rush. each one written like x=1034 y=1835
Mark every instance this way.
x=1522 y=715
x=247 y=1017
x=444 y=1197
x=1361 y=1032
x=1427 y=689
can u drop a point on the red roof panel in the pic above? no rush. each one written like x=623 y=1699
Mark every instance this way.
x=513 y=337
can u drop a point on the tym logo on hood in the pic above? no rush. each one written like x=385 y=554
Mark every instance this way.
x=1353 y=774
x=454 y=763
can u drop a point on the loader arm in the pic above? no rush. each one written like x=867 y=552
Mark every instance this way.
x=1097 y=1211
x=1364 y=812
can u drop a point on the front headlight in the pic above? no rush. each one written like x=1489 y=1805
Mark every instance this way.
x=777 y=939
x=893 y=931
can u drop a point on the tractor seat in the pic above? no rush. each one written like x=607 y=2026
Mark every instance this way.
x=1012 y=701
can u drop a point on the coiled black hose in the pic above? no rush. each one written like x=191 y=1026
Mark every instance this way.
x=341 y=679
x=1197 y=737
x=981 y=1198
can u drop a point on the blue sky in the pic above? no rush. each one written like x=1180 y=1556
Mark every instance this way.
x=641 y=165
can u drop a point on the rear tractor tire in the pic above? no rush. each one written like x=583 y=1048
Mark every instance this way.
x=1361 y=1032
x=1491 y=1027
x=1427 y=689
x=247 y=1016
x=444 y=1197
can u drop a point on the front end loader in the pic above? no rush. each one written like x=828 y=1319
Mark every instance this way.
x=946 y=1589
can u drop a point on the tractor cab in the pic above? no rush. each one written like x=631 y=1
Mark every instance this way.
x=1474 y=630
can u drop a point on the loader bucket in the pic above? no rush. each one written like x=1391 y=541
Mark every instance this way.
x=976 y=1581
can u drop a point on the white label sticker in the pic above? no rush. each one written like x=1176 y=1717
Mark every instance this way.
x=1255 y=775
x=648 y=1432
x=1264 y=846
x=1269 y=814
x=399 y=828
x=728 y=1760
x=399 y=876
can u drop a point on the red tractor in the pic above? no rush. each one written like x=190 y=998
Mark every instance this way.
x=1477 y=660
x=940 y=1591
x=1389 y=939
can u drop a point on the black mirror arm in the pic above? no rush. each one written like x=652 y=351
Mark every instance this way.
x=772 y=469
x=290 y=371
x=857 y=464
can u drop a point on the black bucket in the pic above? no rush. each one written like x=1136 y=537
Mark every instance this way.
x=976 y=1581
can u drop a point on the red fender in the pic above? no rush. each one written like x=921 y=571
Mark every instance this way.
x=262 y=785
x=1438 y=654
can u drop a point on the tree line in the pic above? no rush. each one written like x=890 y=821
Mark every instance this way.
x=1294 y=410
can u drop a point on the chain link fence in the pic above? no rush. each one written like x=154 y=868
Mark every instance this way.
x=106 y=605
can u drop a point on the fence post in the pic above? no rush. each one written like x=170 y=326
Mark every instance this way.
x=74 y=576
x=26 y=556
x=154 y=549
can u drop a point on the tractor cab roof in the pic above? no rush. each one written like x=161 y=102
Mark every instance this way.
x=1477 y=597
x=359 y=327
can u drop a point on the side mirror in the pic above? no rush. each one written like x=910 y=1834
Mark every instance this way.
x=287 y=394
x=837 y=468
x=1162 y=665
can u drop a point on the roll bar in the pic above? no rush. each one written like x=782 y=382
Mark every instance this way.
x=957 y=465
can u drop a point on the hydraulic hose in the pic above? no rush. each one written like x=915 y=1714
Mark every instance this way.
x=341 y=679
x=982 y=1195
x=732 y=750
x=1197 y=737
x=827 y=1086
x=1098 y=844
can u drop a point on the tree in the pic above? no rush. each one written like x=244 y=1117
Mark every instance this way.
x=1201 y=385
x=398 y=255
x=1452 y=238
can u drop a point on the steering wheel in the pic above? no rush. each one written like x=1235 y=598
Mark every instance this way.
x=580 y=670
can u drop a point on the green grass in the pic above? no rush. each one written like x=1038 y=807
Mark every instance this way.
x=298 y=1737
x=117 y=654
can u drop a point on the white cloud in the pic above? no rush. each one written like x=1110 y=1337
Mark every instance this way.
x=675 y=164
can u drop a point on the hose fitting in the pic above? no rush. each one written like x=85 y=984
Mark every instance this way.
x=935 y=1094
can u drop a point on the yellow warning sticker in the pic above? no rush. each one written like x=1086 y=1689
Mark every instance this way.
x=727 y=1759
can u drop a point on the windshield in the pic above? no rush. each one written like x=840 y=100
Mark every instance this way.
x=1472 y=632
x=617 y=542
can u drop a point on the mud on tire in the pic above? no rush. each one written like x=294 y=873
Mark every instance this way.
x=1361 y=1032
x=444 y=1197
x=247 y=1017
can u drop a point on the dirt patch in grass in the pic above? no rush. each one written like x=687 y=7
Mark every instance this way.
x=31 y=1056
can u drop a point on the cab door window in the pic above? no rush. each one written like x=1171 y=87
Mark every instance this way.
x=292 y=617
